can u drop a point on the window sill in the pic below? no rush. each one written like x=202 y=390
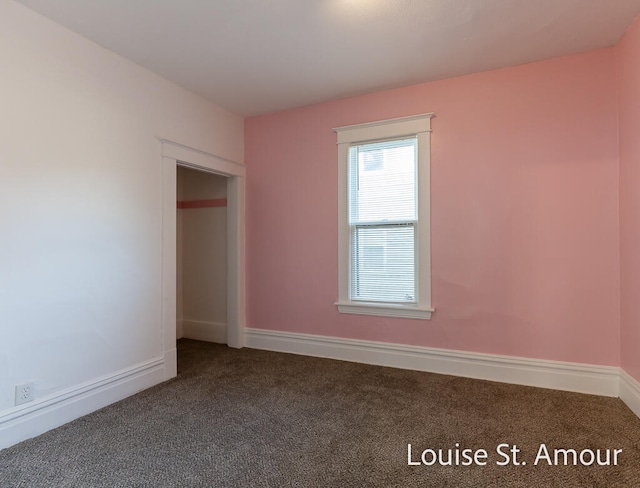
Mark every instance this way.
x=385 y=310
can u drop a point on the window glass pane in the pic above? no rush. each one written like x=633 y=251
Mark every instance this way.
x=382 y=181
x=383 y=263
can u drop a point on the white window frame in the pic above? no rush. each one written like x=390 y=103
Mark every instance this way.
x=415 y=125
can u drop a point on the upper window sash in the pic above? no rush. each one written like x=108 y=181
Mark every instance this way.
x=383 y=180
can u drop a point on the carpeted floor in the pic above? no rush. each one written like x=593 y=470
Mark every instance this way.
x=247 y=418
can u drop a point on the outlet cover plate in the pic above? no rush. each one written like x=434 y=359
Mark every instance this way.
x=24 y=393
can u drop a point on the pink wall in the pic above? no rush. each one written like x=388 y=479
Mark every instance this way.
x=628 y=63
x=525 y=250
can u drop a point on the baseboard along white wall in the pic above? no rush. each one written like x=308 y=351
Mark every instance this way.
x=204 y=331
x=41 y=415
x=582 y=378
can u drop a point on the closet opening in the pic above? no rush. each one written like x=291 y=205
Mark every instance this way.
x=201 y=255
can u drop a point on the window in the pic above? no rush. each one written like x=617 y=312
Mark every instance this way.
x=384 y=246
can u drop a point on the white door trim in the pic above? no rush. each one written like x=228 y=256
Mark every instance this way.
x=174 y=154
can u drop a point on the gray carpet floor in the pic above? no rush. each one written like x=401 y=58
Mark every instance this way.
x=248 y=418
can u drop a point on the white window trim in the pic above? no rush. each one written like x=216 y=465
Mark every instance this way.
x=415 y=125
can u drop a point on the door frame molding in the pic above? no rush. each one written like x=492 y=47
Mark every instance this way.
x=174 y=155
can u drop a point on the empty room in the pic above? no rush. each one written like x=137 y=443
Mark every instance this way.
x=320 y=243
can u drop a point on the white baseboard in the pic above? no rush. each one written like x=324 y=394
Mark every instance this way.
x=204 y=331
x=170 y=365
x=582 y=378
x=630 y=392
x=26 y=421
x=35 y=418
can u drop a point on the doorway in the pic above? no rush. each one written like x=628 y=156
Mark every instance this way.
x=201 y=268
x=174 y=155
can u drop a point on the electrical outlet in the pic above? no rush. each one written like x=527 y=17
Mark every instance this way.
x=24 y=393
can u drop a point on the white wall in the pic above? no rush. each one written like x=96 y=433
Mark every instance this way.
x=80 y=204
x=202 y=258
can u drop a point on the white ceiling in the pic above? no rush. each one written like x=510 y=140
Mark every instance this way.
x=260 y=56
